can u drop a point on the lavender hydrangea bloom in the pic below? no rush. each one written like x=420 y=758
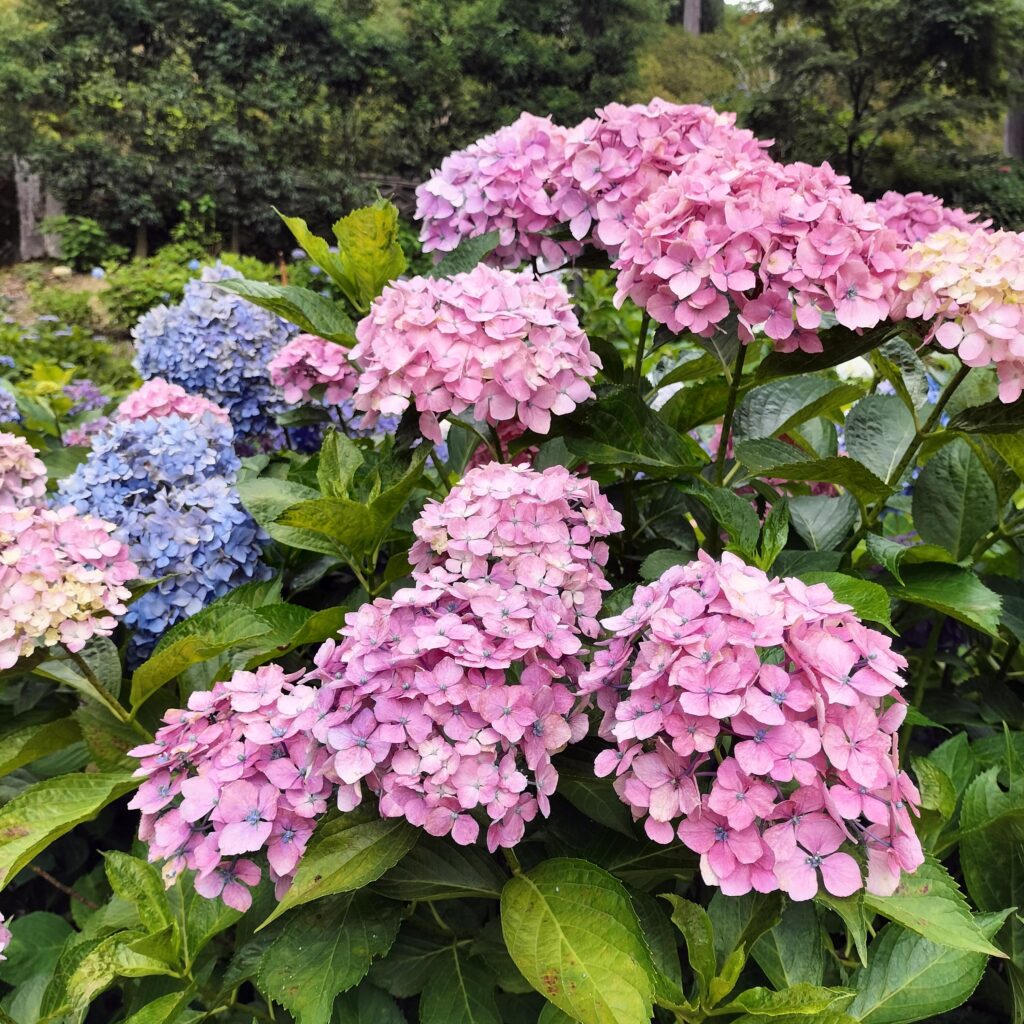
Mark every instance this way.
x=217 y=345
x=168 y=486
x=86 y=396
x=8 y=407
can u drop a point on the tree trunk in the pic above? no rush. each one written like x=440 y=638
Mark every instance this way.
x=235 y=244
x=691 y=16
x=1013 y=133
x=141 y=242
x=34 y=206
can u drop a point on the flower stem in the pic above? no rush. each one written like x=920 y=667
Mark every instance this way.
x=921 y=677
x=641 y=345
x=104 y=697
x=730 y=411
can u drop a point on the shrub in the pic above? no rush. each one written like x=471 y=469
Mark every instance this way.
x=84 y=243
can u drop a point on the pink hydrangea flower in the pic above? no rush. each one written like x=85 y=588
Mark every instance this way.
x=916 y=215
x=22 y=474
x=307 y=362
x=503 y=182
x=156 y=398
x=781 y=245
x=615 y=160
x=5 y=937
x=62 y=580
x=709 y=729
x=235 y=773
x=969 y=283
x=507 y=345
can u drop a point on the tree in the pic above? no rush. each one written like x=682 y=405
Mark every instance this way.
x=852 y=73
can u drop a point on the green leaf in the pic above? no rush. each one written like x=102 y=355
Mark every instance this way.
x=732 y=512
x=792 y=951
x=340 y=457
x=955 y=591
x=140 y=884
x=887 y=553
x=367 y=1004
x=47 y=810
x=839 y=345
x=778 y=459
x=793 y=563
x=851 y=910
x=954 y=502
x=695 y=926
x=992 y=418
x=739 y=921
x=32 y=739
x=930 y=903
x=663 y=944
x=1010 y=448
x=324 y=949
x=778 y=407
x=911 y=979
x=412 y=960
x=801 y=1000
x=437 y=869
x=369 y=253
x=459 y=990
x=36 y=942
x=206 y=634
x=611 y=361
x=693 y=406
x=902 y=367
x=317 y=249
x=620 y=430
x=596 y=975
x=937 y=790
x=466 y=256
x=266 y=498
x=879 y=430
x=869 y=600
x=659 y=562
x=165 y=1010
x=956 y=759
x=821 y=521
x=594 y=796
x=346 y=853
x=203 y=918
x=308 y=310
x=774 y=534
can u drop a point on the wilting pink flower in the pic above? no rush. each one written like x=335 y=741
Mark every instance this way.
x=757 y=684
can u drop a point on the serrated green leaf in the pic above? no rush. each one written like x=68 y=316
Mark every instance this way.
x=792 y=951
x=851 y=910
x=597 y=976
x=774 y=534
x=937 y=790
x=31 y=738
x=140 y=884
x=369 y=253
x=799 y=1000
x=739 y=921
x=366 y=1004
x=436 y=869
x=879 y=430
x=782 y=405
x=36 y=942
x=459 y=990
x=869 y=600
x=955 y=591
x=307 y=309
x=339 y=459
x=466 y=256
x=411 y=961
x=732 y=512
x=594 y=796
x=695 y=927
x=994 y=417
x=822 y=522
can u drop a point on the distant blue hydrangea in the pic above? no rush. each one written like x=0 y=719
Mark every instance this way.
x=86 y=396
x=217 y=345
x=8 y=407
x=7 y=362
x=168 y=485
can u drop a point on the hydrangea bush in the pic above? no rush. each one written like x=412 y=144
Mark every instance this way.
x=639 y=641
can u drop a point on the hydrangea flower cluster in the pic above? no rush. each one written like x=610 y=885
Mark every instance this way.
x=217 y=345
x=85 y=396
x=22 y=473
x=617 y=159
x=758 y=725
x=309 y=362
x=503 y=182
x=84 y=433
x=8 y=407
x=454 y=695
x=781 y=244
x=972 y=284
x=5 y=937
x=916 y=215
x=156 y=398
x=506 y=344
x=235 y=773
x=62 y=580
x=168 y=484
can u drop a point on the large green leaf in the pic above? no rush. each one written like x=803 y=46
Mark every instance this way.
x=792 y=951
x=992 y=418
x=48 y=809
x=954 y=502
x=36 y=942
x=782 y=405
x=879 y=430
x=800 y=1000
x=930 y=903
x=822 y=522
x=594 y=796
x=326 y=948
x=739 y=921
x=369 y=252
x=437 y=869
x=954 y=591
x=317 y=249
x=466 y=256
x=340 y=458
x=911 y=979
x=869 y=600
x=459 y=990
x=31 y=738
x=366 y=1004
x=413 y=958
x=695 y=927
x=346 y=853
x=620 y=430
x=140 y=884
x=597 y=974
x=308 y=310
x=732 y=512
x=266 y=498
x=838 y=345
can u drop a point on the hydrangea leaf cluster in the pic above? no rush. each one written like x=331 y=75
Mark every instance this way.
x=168 y=485
x=916 y=215
x=507 y=345
x=503 y=182
x=157 y=398
x=62 y=580
x=216 y=345
x=757 y=724
x=780 y=245
x=22 y=473
x=971 y=285
x=235 y=773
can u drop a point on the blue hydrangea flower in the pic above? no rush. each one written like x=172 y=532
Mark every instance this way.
x=217 y=345
x=86 y=396
x=168 y=485
x=8 y=407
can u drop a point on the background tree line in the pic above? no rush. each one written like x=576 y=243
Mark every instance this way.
x=132 y=108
